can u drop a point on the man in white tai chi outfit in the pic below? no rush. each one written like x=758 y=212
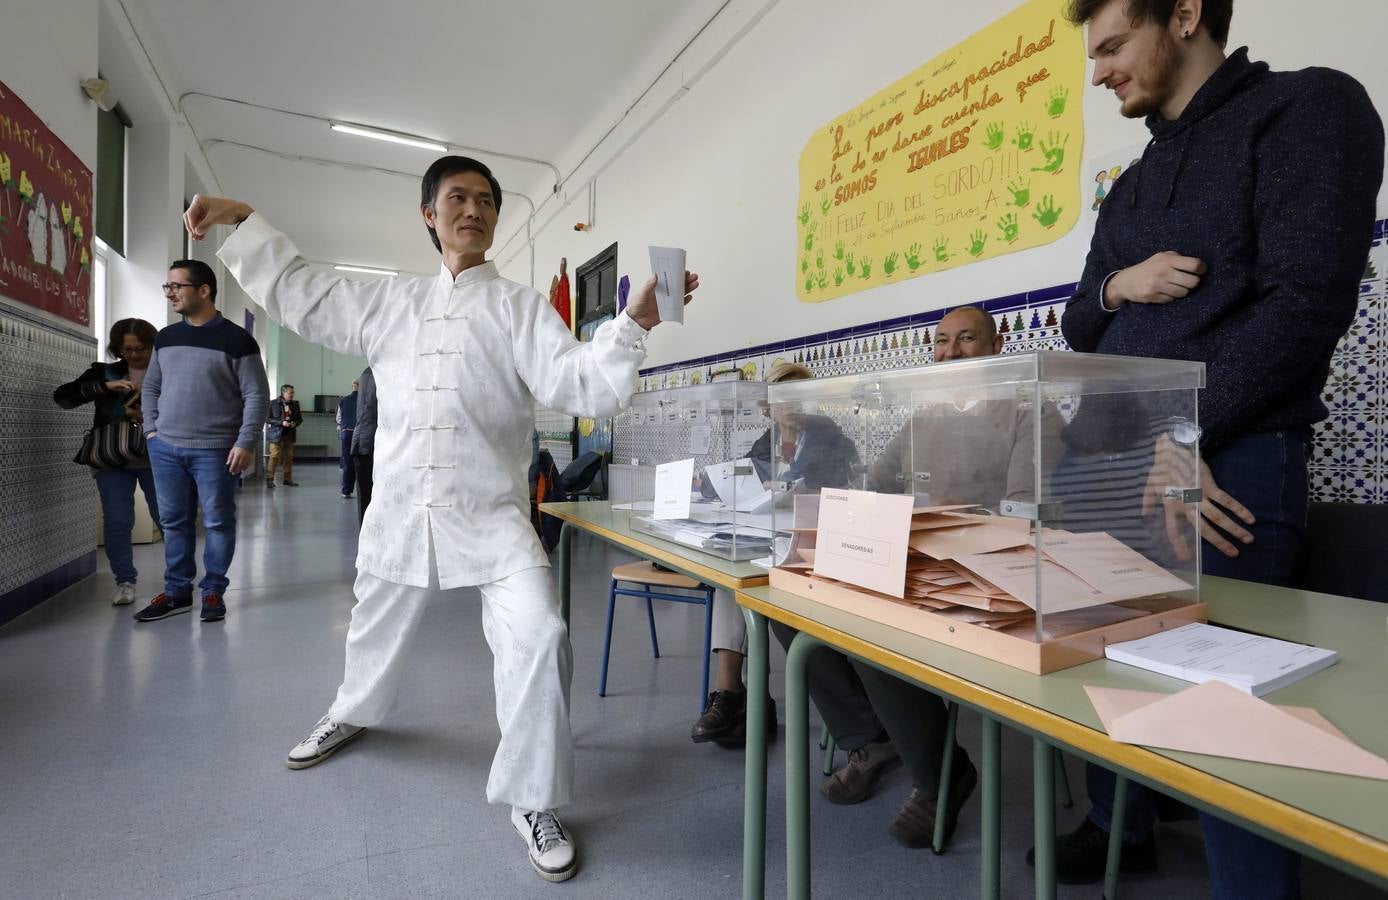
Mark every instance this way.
x=459 y=360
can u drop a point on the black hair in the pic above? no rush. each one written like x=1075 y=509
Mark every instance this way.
x=446 y=167
x=1214 y=15
x=199 y=273
x=138 y=327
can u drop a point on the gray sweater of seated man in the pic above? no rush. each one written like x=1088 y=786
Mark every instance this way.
x=206 y=387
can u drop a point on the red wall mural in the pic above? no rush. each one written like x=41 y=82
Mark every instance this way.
x=45 y=216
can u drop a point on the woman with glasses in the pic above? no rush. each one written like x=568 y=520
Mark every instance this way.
x=114 y=390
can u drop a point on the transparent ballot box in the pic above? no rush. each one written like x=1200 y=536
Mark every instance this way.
x=1030 y=506
x=699 y=468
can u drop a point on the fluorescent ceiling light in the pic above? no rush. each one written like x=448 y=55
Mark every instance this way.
x=392 y=136
x=390 y=273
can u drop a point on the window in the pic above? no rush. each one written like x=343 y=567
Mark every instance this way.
x=596 y=283
x=111 y=129
x=100 y=307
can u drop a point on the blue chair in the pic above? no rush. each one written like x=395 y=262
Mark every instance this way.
x=641 y=580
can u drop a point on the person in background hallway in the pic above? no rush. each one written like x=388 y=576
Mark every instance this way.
x=346 y=423
x=462 y=358
x=114 y=390
x=364 y=439
x=1238 y=240
x=285 y=418
x=204 y=402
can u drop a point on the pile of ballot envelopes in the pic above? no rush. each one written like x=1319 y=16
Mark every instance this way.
x=968 y=565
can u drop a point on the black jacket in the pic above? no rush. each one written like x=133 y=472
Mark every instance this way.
x=1270 y=178
x=90 y=387
x=276 y=416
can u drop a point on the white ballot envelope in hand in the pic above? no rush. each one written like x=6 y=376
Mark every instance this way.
x=862 y=539
x=668 y=266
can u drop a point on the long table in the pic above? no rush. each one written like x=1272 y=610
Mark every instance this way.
x=612 y=525
x=1340 y=820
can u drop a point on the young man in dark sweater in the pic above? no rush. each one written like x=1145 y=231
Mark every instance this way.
x=204 y=401
x=1238 y=241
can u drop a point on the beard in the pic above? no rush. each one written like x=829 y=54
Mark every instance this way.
x=1157 y=81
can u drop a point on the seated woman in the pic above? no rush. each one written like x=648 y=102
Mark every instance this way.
x=816 y=453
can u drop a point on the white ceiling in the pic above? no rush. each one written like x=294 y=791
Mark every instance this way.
x=534 y=78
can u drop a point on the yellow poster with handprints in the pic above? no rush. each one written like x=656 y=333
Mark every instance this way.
x=971 y=156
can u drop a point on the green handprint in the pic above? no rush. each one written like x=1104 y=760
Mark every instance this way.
x=1008 y=226
x=913 y=257
x=979 y=239
x=1026 y=133
x=809 y=235
x=825 y=204
x=809 y=283
x=1054 y=151
x=941 y=249
x=838 y=251
x=804 y=264
x=838 y=277
x=1055 y=107
x=865 y=267
x=1021 y=191
x=849 y=264
x=889 y=264
x=1047 y=213
x=819 y=259
x=804 y=216
x=995 y=136
x=822 y=279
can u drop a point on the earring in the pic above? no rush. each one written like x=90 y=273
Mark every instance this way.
x=1185 y=34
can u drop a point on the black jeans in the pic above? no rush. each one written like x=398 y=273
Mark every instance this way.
x=859 y=702
x=362 y=463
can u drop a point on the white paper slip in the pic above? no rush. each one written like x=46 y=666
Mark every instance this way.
x=672 y=482
x=700 y=439
x=667 y=264
x=1198 y=652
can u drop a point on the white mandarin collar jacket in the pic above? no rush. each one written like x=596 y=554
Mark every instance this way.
x=459 y=363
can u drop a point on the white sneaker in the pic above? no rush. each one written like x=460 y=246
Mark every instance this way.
x=551 y=851
x=125 y=595
x=326 y=739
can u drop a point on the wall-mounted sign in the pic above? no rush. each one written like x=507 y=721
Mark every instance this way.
x=45 y=216
x=973 y=155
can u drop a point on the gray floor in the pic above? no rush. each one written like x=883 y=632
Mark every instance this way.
x=149 y=761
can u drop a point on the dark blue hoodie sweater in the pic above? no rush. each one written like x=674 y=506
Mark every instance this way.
x=1270 y=178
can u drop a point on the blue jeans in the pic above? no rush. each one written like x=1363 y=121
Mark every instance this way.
x=187 y=479
x=1266 y=473
x=345 y=463
x=117 y=489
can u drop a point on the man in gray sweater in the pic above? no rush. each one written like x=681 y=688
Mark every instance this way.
x=204 y=401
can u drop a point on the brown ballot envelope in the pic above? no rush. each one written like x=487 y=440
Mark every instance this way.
x=1218 y=720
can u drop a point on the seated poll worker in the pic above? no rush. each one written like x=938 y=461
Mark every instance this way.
x=979 y=453
x=460 y=359
x=814 y=453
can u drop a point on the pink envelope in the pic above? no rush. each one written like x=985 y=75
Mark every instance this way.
x=1218 y=720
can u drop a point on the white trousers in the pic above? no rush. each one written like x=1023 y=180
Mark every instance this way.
x=532 y=667
x=729 y=631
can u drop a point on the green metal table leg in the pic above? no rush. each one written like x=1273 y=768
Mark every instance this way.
x=566 y=534
x=797 y=768
x=991 y=876
x=1115 y=837
x=829 y=749
x=1043 y=816
x=946 y=772
x=754 y=798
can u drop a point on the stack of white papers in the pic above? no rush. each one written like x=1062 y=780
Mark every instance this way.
x=1254 y=664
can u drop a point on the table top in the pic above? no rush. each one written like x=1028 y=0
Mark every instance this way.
x=1340 y=815
x=601 y=519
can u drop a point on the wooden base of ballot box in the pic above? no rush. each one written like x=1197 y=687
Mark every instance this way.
x=1017 y=647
